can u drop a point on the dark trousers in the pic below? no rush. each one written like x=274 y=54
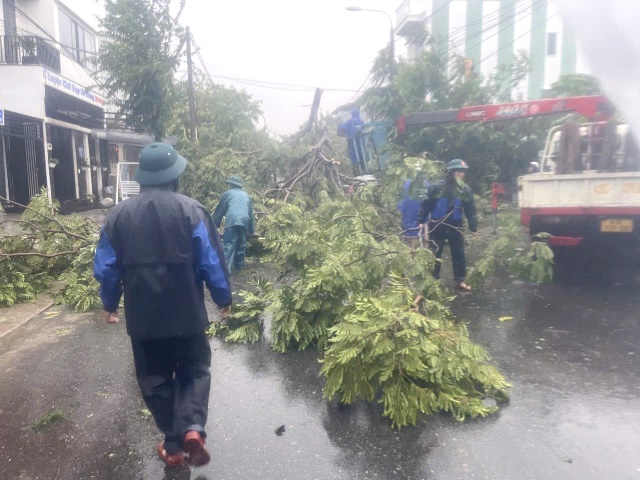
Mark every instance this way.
x=174 y=378
x=234 y=243
x=441 y=234
x=357 y=156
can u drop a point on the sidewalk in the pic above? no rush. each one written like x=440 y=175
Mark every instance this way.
x=19 y=314
x=13 y=317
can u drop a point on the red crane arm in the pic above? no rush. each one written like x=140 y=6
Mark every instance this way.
x=595 y=107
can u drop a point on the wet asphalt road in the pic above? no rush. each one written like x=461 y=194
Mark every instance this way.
x=570 y=351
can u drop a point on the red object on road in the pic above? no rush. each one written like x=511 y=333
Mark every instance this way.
x=496 y=189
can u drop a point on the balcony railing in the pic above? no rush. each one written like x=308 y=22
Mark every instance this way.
x=410 y=17
x=28 y=50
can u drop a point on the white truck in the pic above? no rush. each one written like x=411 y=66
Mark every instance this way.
x=587 y=193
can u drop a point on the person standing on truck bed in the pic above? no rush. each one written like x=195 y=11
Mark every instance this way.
x=447 y=202
x=352 y=129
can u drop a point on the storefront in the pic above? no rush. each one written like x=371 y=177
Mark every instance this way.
x=23 y=171
x=60 y=144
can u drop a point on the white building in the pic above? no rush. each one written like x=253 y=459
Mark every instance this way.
x=491 y=32
x=52 y=117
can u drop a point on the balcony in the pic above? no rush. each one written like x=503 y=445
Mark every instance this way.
x=411 y=17
x=28 y=50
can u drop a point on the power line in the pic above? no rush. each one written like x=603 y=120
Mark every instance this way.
x=263 y=83
x=518 y=15
x=360 y=88
x=489 y=22
x=459 y=34
x=519 y=37
x=53 y=40
x=26 y=33
x=357 y=92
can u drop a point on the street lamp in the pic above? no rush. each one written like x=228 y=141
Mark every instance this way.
x=391 y=32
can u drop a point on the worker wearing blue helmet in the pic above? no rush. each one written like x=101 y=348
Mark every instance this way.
x=447 y=202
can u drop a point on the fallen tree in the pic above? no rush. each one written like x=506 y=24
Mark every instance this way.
x=44 y=246
x=368 y=301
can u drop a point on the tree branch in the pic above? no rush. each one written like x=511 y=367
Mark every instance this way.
x=36 y=254
x=44 y=230
x=51 y=219
x=365 y=257
x=313 y=117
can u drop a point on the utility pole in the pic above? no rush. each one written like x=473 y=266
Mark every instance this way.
x=192 y=100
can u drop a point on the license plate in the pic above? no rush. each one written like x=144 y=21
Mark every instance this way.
x=622 y=225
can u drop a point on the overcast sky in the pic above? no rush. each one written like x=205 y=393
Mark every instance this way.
x=307 y=43
x=311 y=43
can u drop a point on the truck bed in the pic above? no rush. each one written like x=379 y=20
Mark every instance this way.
x=584 y=191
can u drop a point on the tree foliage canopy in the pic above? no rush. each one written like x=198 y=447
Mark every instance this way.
x=495 y=152
x=141 y=53
x=576 y=85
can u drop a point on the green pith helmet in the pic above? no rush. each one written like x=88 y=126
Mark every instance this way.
x=235 y=180
x=457 y=164
x=159 y=164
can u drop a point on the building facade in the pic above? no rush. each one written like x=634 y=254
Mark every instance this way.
x=489 y=33
x=53 y=130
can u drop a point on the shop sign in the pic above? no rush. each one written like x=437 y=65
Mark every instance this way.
x=65 y=85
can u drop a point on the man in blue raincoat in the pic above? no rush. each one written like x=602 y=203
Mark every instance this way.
x=409 y=208
x=447 y=202
x=237 y=209
x=160 y=248
x=352 y=128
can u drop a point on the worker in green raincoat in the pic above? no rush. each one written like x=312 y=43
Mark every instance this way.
x=237 y=209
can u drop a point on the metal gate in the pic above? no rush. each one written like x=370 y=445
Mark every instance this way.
x=24 y=155
x=31 y=133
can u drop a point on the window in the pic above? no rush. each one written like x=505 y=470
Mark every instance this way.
x=552 y=43
x=77 y=41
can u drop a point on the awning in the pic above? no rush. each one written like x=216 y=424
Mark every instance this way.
x=122 y=136
x=68 y=108
x=128 y=137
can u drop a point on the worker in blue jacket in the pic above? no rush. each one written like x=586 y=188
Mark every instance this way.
x=159 y=248
x=352 y=129
x=409 y=208
x=447 y=202
x=236 y=208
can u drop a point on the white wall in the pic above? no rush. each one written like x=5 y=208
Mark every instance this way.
x=22 y=89
x=457 y=26
x=553 y=63
x=44 y=16
x=490 y=37
x=86 y=10
x=522 y=41
x=41 y=14
x=76 y=73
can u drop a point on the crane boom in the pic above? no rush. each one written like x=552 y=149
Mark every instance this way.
x=595 y=107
